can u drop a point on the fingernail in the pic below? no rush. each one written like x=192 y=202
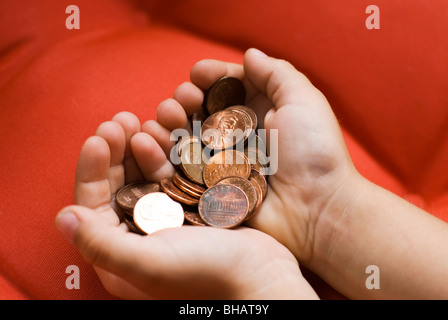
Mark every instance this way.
x=67 y=223
x=258 y=53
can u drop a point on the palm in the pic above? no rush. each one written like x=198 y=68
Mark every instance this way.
x=311 y=152
x=183 y=263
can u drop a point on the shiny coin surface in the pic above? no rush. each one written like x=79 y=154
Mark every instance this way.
x=247 y=187
x=193 y=161
x=226 y=164
x=224 y=129
x=187 y=186
x=225 y=92
x=175 y=193
x=157 y=211
x=249 y=111
x=128 y=196
x=249 y=130
x=223 y=206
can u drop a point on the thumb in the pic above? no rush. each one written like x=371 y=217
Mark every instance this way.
x=279 y=80
x=98 y=240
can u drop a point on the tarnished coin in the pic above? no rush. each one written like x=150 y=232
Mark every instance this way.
x=258 y=178
x=193 y=161
x=117 y=209
x=226 y=164
x=175 y=193
x=193 y=217
x=188 y=186
x=247 y=187
x=225 y=92
x=157 y=211
x=223 y=206
x=129 y=222
x=224 y=129
x=128 y=196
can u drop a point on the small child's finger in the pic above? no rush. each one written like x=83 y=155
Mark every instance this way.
x=171 y=114
x=114 y=135
x=206 y=72
x=190 y=97
x=151 y=158
x=92 y=188
x=160 y=134
x=131 y=126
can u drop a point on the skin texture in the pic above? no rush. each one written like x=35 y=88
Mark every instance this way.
x=318 y=211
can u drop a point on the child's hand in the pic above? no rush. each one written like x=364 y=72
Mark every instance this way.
x=313 y=162
x=335 y=222
x=183 y=263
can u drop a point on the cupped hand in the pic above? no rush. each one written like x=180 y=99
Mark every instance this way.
x=189 y=262
x=313 y=170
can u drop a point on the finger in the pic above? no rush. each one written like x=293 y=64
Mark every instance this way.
x=159 y=264
x=190 y=97
x=160 y=134
x=151 y=158
x=171 y=115
x=92 y=188
x=279 y=80
x=205 y=72
x=131 y=125
x=114 y=135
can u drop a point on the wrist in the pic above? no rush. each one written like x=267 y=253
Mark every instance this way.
x=332 y=226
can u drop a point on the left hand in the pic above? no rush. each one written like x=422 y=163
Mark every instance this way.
x=180 y=263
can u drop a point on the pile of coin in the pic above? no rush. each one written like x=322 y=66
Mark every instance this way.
x=219 y=180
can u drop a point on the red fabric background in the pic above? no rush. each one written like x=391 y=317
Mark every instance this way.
x=387 y=87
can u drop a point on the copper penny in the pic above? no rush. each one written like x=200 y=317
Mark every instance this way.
x=129 y=222
x=193 y=217
x=257 y=159
x=258 y=178
x=175 y=193
x=188 y=186
x=128 y=195
x=249 y=130
x=157 y=211
x=185 y=141
x=246 y=186
x=257 y=142
x=223 y=206
x=223 y=129
x=226 y=164
x=226 y=92
x=250 y=113
x=260 y=198
x=193 y=161
x=117 y=209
